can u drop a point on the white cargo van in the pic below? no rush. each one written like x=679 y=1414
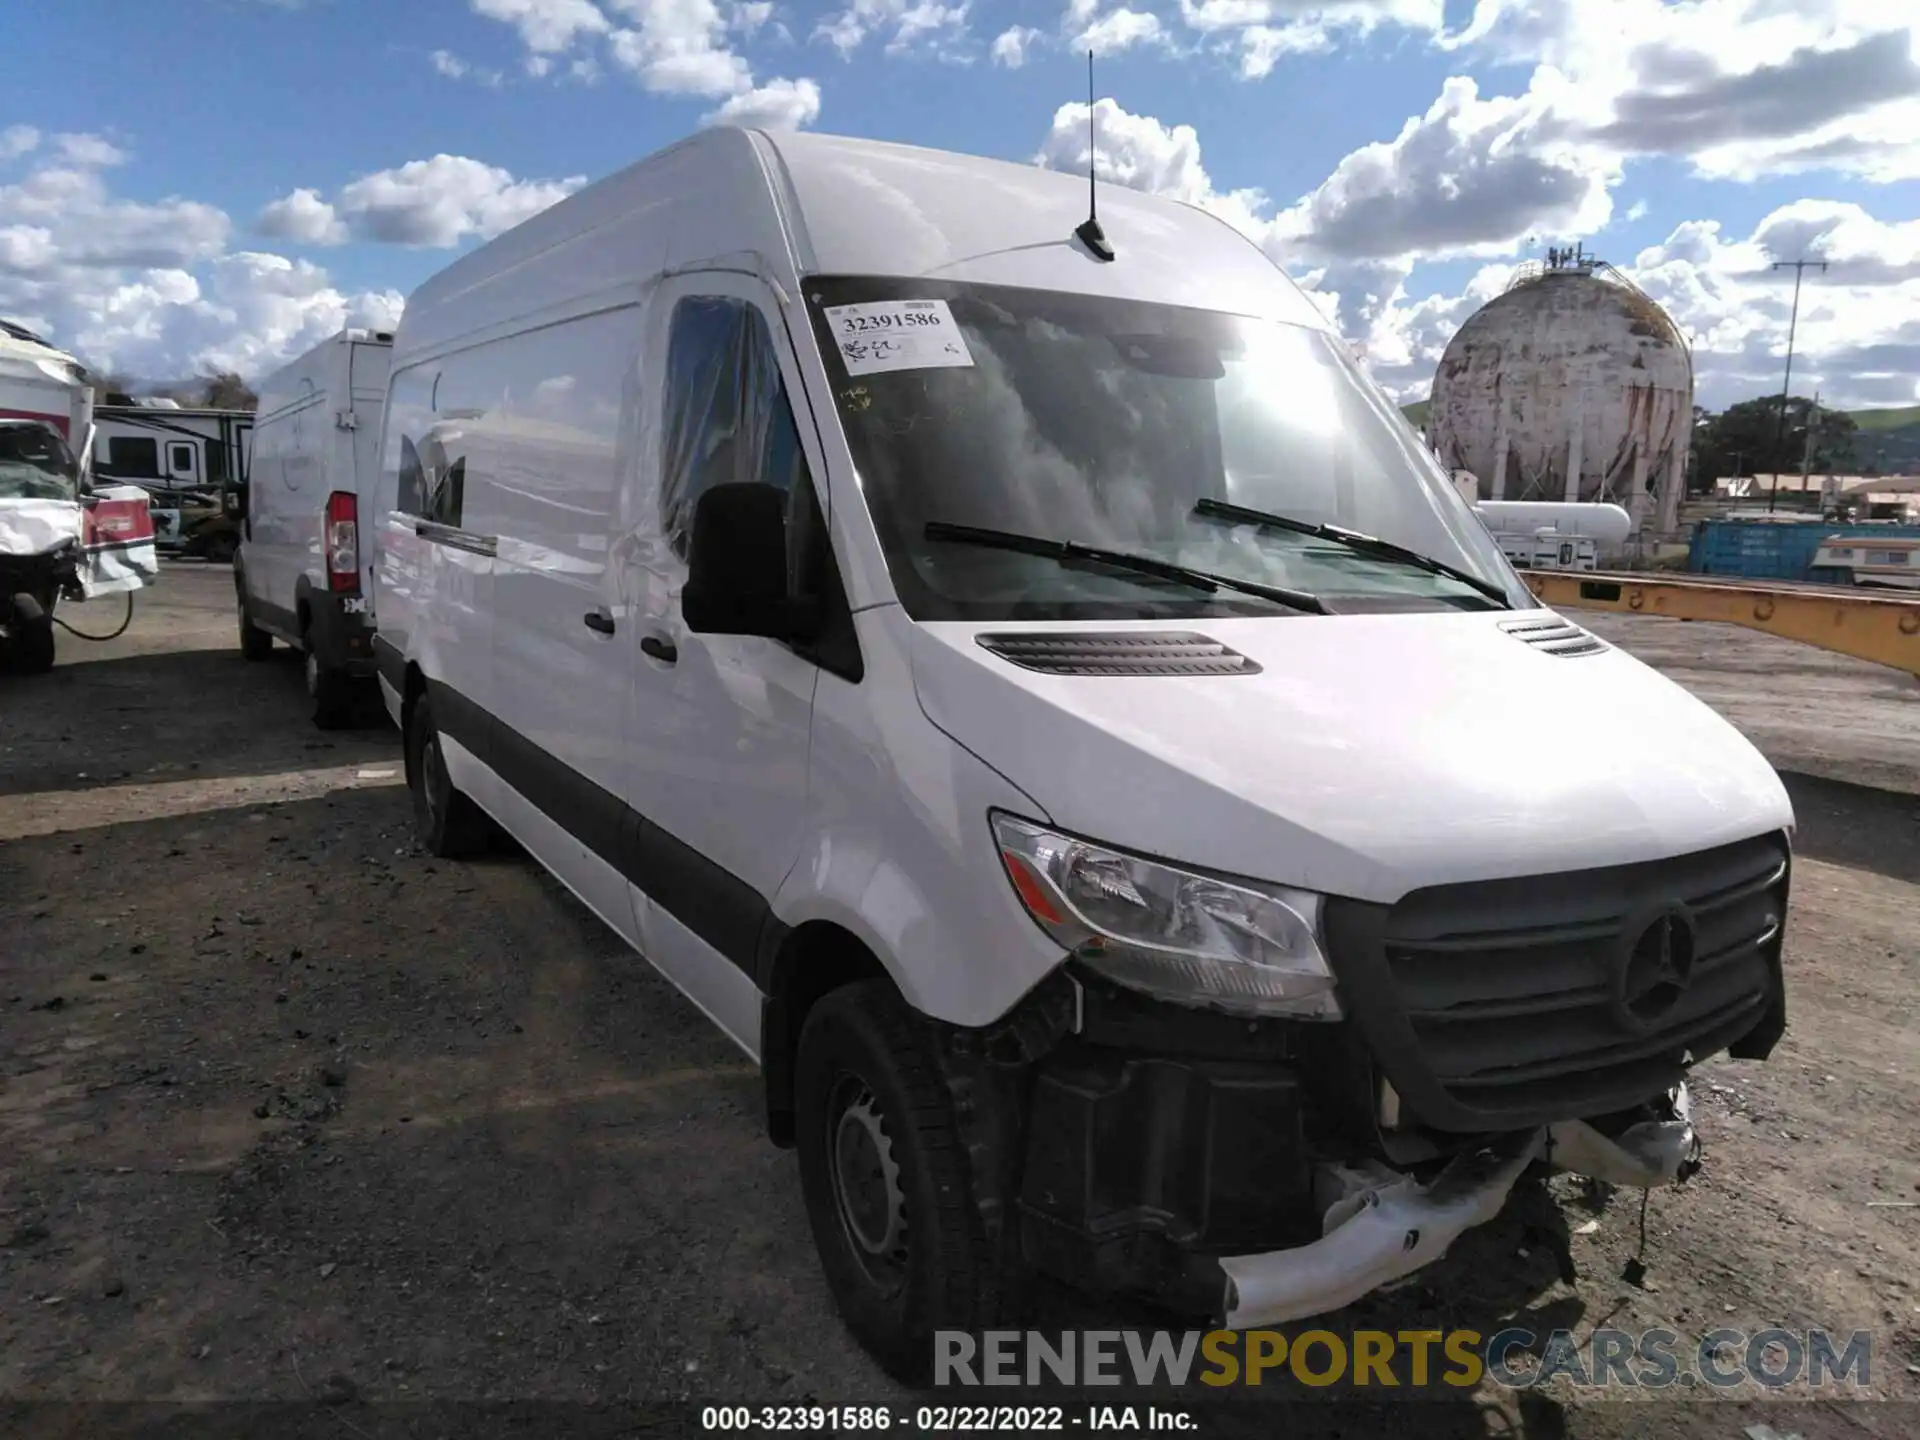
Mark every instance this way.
x=298 y=573
x=1049 y=709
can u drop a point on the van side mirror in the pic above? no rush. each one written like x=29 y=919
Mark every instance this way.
x=737 y=566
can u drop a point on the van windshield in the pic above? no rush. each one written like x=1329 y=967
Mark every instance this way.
x=1104 y=423
x=35 y=464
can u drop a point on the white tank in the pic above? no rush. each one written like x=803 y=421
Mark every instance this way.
x=1603 y=524
x=1572 y=386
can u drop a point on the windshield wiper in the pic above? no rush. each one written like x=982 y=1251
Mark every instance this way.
x=1365 y=544
x=1071 y=551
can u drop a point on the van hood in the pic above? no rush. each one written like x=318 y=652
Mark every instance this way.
x=1369 y=756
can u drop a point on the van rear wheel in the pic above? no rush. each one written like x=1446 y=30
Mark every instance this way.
x=450 y=825
x=886 y=1181
x=331 y=692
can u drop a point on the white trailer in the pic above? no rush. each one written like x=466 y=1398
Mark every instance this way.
x=163 y=446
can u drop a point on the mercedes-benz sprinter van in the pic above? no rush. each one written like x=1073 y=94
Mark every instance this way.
x=1026 y=684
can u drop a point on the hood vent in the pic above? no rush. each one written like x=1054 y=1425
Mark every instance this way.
x=1129 y=652
x=1555 y=636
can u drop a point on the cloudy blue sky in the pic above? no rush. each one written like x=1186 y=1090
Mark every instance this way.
x=230 y=180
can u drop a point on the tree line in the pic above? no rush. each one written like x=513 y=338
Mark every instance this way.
x=1748 y=439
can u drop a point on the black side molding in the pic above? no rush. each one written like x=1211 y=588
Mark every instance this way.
x=707 y=898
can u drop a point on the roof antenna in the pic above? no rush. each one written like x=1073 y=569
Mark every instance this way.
x=1090 y=234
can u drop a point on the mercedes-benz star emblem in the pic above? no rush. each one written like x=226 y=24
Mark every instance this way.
x=1655 y=969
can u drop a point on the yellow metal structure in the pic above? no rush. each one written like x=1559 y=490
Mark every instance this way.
x=1878 y=627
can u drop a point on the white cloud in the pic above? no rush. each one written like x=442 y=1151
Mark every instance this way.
x=444 y=200
x=777 y=105
x=548 y=27
x=150 y=289
x=88 y=151
x=750 y=18
x=446 y=63
x=678 y=47
x=94 y=230
x=304 y=217
x=1133 y=150
x=1264 y=30
x=1744 y=88
x=18 y=140
x=1120 y=30
x=910 y=25
x=1010 y=46
x=1261 y=46
x=1472 y=176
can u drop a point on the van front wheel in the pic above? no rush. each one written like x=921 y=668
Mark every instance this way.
x=886 y=1182
x=450 y=825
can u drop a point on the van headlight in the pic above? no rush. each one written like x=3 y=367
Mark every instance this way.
x=1176 y=934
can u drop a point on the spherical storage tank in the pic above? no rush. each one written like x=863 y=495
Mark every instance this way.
x=1573 y=385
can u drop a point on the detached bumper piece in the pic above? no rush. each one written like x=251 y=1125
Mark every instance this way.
x=1382 y=1232
x=1374 y=1238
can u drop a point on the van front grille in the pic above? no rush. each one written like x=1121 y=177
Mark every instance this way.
x=1127 y=652
x=1511 y=1003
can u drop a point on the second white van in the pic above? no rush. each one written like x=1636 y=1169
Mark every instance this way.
x=298 y=575
x=1036 y=695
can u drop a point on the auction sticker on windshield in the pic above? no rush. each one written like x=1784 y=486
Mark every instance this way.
x=897 y=335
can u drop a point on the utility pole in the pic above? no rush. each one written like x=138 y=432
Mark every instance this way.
x=1799 y=268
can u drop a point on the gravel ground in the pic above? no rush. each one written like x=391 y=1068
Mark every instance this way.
x=290 y=1111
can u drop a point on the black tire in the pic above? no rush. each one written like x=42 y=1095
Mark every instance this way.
x=220 y=549
x=333 y=695
x=32 y=635
x=255 y=643
x=886 y=1182
x=449 y=824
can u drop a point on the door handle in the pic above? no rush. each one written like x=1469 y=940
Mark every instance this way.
x=598 y=622
x=662 y=650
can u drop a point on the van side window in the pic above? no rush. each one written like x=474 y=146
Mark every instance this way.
x=411 y=499
x=433 y=492
x=727 y=416
x=443 y=506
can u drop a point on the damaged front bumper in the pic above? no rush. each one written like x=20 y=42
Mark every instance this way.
x=1380 y=1227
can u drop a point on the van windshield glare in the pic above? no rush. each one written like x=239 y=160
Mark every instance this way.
x=1103 y=422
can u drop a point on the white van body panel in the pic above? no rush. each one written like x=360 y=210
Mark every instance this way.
x=897 y=843
x=316 y=432
x=1374 y=754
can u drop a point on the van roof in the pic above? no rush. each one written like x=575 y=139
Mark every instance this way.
x=809 y=204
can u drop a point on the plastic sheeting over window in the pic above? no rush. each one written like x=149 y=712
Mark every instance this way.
x=727 y=415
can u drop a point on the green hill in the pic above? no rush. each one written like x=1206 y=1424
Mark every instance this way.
x=1416 y=413
x=1891 y=418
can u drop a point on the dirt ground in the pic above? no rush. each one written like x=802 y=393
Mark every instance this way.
x=290 y=1111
